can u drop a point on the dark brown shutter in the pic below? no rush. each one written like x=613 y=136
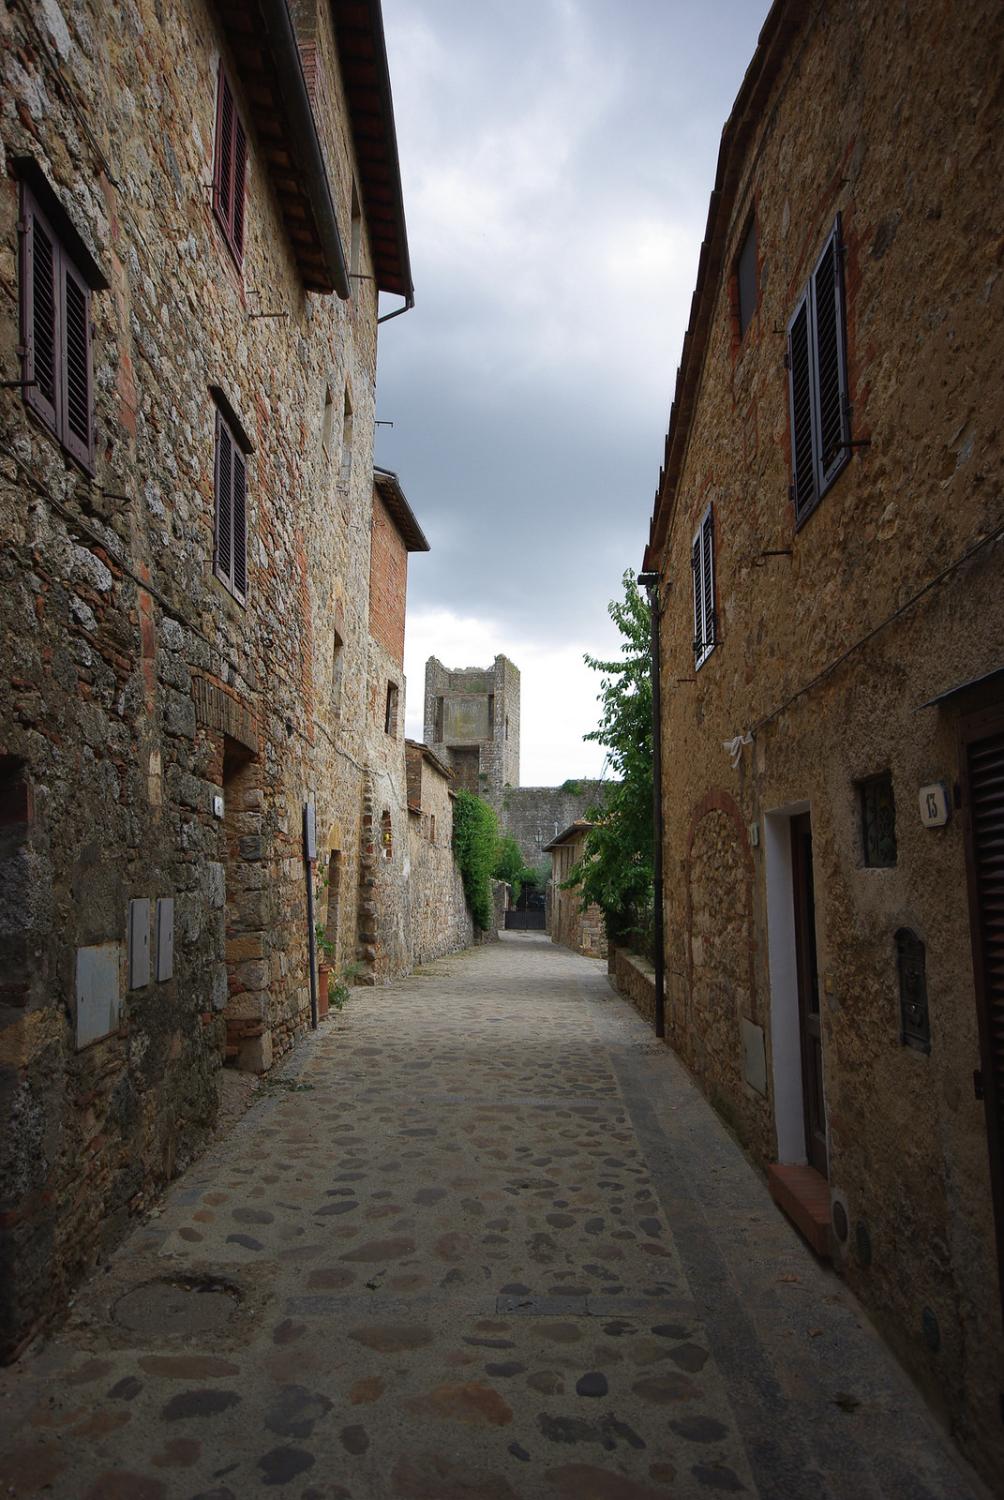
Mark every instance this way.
x=708 y=545
x=983 y=788
x=240 y=567
x=40 y=302
x=831 y=402
x=695 y=565
x=803 y=475
x=240 y=173
x=223 y=176
x=76 y=387
x=224 y=501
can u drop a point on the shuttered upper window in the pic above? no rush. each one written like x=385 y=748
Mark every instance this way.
x=55 y=333
x=702 y=562
x=817 y=381
x=229 y=167
x=230 y=551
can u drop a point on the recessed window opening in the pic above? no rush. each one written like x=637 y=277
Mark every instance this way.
x=386 y=835
x=337 y=672
x=432 y=828
x=390 y=709
x=328 y=423
x=230 y=548
x=346 y=474
x=746 y=278
x=877 y=807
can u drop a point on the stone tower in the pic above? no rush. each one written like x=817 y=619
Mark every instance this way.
x=472 y=723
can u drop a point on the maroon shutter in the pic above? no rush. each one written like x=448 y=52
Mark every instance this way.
x=803 y=472
x=240 y=566
x=40 y=303
x=76 y=372
x=224 y=501
x=240 y=174
x=982 y=739
x=223 y=177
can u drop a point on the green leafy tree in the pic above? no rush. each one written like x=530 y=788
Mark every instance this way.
x=509 y=866
x=475 y=845
x=616 y=869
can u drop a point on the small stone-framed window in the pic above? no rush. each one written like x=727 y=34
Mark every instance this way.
x=390 y=710
x=877 y=808
x=229 y=168
x=432 y=828
x=337 y=673
x=56 y=276
x=747 y=290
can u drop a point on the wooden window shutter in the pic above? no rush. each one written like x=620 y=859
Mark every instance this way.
x=40 y=313
x=76 y=372
x=240 y=531
x=829 y=361
x=702 y=562
x=803 y=469
x=982 y=764
x=229 y=167
x=230 y=561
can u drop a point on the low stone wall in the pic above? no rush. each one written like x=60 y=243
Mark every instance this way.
x=634 y=978
x=439 y=919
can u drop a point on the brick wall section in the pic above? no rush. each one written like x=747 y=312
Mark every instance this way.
x=907 y=1141
x=388 y=582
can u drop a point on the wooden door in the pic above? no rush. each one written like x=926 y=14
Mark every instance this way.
x=982 y=765
x=808 y=993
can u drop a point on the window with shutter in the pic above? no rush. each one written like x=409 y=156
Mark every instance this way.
x=55 y=334
x=230 y=560
x=229 y=167
x=747 y=291
x=702 y=562
x=817 y=381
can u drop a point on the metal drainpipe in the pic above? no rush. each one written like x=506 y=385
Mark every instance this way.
x=409 y=303
x=650 y=581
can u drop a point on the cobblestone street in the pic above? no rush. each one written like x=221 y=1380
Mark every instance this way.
x=481 y=1239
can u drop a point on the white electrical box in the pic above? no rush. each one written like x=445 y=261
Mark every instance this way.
x=165 y=938
x=139 y=943
x=934 y=805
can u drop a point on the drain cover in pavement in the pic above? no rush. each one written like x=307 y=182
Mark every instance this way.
x=184 y=1304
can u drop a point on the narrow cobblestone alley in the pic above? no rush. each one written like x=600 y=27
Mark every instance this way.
x=481 y=1240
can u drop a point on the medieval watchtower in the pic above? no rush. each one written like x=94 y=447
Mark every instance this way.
x=472 y=723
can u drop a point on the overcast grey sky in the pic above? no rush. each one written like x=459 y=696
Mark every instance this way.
x=557 y=158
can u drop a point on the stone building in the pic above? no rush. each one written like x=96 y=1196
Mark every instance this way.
x=199 y=204
x=583 y=930
x=472 y=722
x=438 y=917
x=827 y=535
x=384 y=871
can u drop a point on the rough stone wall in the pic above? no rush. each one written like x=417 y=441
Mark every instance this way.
x=534 y=815
x=907 y=1139
x=634 y=978
x=583 y=930
x=438 y=919
x=138 y=690
x=385 y=758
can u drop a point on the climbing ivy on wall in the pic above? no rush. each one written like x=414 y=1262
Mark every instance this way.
x=475 y=845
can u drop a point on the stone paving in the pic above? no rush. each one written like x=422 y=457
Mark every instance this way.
x=482 y=1240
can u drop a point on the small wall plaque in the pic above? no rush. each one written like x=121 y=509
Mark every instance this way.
x=217 y=806
x=934 y=805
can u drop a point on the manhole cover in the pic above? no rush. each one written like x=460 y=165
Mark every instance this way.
x=183 y=1304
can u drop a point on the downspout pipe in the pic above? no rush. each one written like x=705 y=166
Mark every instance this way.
x=650 y=582
x=310 y=160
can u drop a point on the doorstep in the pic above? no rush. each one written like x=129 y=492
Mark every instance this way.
x=804 y=1195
